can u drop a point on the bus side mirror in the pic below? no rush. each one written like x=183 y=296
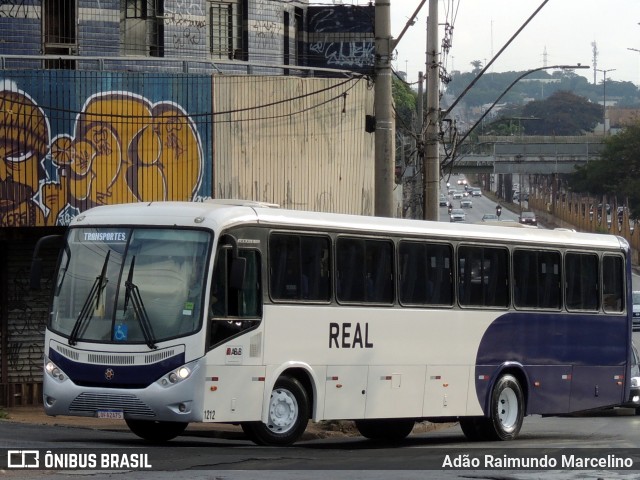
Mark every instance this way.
x=36 y=262
x=237 y=273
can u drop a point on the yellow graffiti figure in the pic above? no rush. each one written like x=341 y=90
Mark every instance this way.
x=24 y=142
x=124 y=149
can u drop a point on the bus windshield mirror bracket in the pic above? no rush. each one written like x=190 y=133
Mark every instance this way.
x=88 y=307
x=132 y=293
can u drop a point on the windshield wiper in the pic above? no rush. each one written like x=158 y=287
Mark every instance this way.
x=133 y=293
x=86 y=313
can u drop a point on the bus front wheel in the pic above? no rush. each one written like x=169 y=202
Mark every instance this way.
x=391 y=430
x=154 y=431
x=288 y=415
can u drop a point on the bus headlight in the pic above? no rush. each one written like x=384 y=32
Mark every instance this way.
x=175 y=376
x=54 y=371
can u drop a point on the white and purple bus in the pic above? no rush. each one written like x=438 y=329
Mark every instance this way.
x=240 y=312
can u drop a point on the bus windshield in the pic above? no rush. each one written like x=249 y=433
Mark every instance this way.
x=130 y=285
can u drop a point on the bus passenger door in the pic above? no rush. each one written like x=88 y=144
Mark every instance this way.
x=346 y=392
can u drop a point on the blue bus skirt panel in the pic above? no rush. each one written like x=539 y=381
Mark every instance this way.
x=562 y=365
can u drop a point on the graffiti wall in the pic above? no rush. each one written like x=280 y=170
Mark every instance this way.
x=341 y=36
x=73 y=140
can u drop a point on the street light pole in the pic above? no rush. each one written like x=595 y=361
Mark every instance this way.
x=633 y=50
x=604 y=99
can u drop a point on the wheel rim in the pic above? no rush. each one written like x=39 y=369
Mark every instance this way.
x=283 y=411
x=508 y=409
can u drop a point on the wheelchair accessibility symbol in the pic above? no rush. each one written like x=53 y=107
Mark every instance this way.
x=120 y=333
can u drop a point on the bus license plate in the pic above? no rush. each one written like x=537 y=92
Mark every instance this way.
x=111 y=414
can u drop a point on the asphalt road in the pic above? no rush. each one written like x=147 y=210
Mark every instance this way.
x=201 y=455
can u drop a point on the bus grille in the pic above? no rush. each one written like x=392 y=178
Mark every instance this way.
x=130 y=404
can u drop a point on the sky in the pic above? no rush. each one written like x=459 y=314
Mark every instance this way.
x=564 y=29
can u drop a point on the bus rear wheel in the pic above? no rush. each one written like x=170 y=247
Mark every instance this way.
x=288 y=415
x=155 y=431
x=387 y=429
x=507 y=408
x=505 y=416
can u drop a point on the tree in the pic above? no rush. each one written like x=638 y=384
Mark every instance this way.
x=405 y=104
x=477 y=67
x=616 y=173
x=563 y=113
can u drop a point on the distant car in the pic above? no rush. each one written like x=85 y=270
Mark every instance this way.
x=490 y=217
x=457 y=215
x=634 y=392
x=476 y=192
x=528 y=218
x=457 y=195
x=636 y=310
x=443 y=201
x=466 y=203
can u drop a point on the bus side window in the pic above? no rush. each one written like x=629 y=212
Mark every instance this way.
x=582 y=281
x=299 y=267
x=425 y=273
x=613 y=283
x=483 y=276
x=364 y=270
x=536 y=279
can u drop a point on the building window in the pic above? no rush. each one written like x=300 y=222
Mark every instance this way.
x=59 y=32
x=136 y=9
x=142 y=27
x=226 y=30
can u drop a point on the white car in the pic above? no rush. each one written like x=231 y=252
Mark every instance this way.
x=466 y=203
x=476 y=192
x=457 y=195
x=457 y=215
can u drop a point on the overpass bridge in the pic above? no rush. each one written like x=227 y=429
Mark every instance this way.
x=531 y=155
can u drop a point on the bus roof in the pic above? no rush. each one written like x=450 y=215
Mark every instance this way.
x=222 y=214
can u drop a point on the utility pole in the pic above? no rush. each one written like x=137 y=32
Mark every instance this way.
x=385 y=122
x=420 y=140
x=431 y=165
